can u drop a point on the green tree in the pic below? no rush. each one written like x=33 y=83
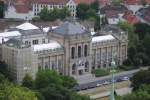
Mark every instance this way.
x=82 y=11
x=44 y=14
x=140 y=78
x=69 y=82
x=95 y=6
x=64 y=13
x=8 y=91
x=27 y=81
x=1 y=9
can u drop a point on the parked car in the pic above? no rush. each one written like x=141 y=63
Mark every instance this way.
x=106 y=83
x=125 y=78
x=98 y=84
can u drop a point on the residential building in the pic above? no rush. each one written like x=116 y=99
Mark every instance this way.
x=69 y=49
x=27 y=9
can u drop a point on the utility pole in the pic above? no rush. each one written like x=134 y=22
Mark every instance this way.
x=113 y=65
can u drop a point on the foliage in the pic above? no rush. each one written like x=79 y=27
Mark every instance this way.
x=8 y=91
x=27 y=81
x=100 y=72
x=69 y=82
x=143 y=93
x=51 y=15
x=4 y=70
x=1 y=9
x=88 y=12
x=116 y=2
x=139 y=43
x=140 y=78
x=55 y=87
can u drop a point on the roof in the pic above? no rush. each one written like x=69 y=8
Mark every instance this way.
x=130 y=18
x=69 y=28
x=84 y=1
x=49 y=46
x=10 y=34
x=102 y=38
x=118 y=9
x=52 y=2
x=21 y=9
x=27 y=26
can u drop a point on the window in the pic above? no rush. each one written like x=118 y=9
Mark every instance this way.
x=79 y=51
x=73 y=69
x=73 y=52
x=35 y=42
x=86 y=66
x=85 y=50
x=26 y=42
x=43 y=40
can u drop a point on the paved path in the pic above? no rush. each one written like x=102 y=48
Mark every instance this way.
x=122 y=91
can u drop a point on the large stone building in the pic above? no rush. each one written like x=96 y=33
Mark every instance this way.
x=27 y=9
x=70 y=49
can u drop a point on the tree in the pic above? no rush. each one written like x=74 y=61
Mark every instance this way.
x=12 y=92
x=27 y=81
x=95 y=6
x=1 y=9
x=140 y=78
x=69 y=82
x=116 y=2
x=64 y=13
x=56 y=87
x=143 y=93
x=44 y=14
x=82 y=11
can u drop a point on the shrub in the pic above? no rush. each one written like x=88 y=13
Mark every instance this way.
x=100 y=72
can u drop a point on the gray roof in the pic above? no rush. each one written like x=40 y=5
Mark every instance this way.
x=70 y=28
x=17 y=43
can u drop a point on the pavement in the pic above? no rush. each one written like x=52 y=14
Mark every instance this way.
x=121 y=92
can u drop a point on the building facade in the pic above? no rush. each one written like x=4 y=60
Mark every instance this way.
x=27 y=9
x=69 y=49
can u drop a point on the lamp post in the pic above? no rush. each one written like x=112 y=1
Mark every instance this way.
x=113 y=65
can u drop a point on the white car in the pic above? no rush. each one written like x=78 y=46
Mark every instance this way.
x=106 y=83
x=125 y=78
x=99 y=84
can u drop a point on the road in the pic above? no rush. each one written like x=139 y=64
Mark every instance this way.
x=92 y=83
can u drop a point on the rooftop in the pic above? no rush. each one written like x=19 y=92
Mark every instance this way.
x=70 y=28
x=50 y=46
x=102 y=38
x=27 y=26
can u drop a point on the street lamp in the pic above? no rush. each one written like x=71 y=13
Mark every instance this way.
x=112 y=71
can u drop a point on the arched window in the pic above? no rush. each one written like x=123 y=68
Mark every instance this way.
x=87 y=66
x=79 y=51
x=85 y=50
x=73 y=52
x=73 y=69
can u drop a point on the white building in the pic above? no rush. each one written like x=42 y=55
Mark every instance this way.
x=26 y=10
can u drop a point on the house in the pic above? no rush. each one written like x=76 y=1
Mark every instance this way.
x=130 y=18
x=27 y=9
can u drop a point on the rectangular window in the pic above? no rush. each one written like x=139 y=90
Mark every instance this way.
x=43 y=40
x=35 y=42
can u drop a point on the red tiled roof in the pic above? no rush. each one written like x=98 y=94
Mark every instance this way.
x=84 y=1
x=104 y=2
x=112 y=14
x=132 y=2
x=130 y=18
x=21 y=9
x=54 y=2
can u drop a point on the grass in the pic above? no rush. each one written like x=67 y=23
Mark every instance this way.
x=100 y=72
